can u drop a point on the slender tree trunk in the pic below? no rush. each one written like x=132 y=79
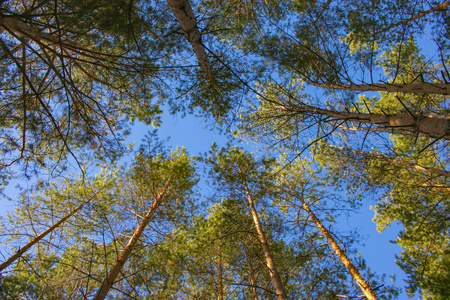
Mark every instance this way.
x=123 y=257
x=365 y=287
x=415 y=88
x=384 y=129
x=35 y=240
x=430 y=126
x=274 y=275
x=417 y=16
x=21 y=28
x=251 y=279
x=400 y=162
x=182 y=10
x=436 y=186
x=219 y=274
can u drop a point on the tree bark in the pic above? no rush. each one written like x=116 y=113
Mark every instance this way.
x=417 y=16
x=430 y=126
x=21 y=28
x=184 y=14
x=365 y=287
x=414 y=88
x=383 y=129
x=125 y=254
x=219 y=274
x=400 y=162
x=35 y=240
x=274 y=275
x=251 y=279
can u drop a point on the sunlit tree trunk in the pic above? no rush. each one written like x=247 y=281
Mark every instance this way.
x=430 y=126
x=125 y=254
x=383 y=129
x=400 y=162
x=20 y=28
x=417 y=16
x=275 y=276
x=182 y=10
x=365 y=287
x=415 y=88
x=35 y=240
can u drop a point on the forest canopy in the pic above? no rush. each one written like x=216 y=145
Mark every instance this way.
x=342 y=105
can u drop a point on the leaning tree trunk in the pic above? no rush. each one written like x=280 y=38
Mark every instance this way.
x=390 y=130
x=429 y=126
x=182 y=10
x=19 y=28
x=35 y=240
x=364 y=286
x=415 y=88
x=400 y=162
x=125 y=254
x=270 y=263
x=415 y=17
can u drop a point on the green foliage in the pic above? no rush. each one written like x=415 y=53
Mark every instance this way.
x=414 y=199
x=82 y=72
x=77 y=74
x=79 y=251
x=75 y=97
x=425 y=236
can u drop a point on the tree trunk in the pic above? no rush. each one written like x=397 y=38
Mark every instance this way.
x=35 y=240
x=123 y=257
x=367 y=290
x=21 y=28
x=251 y=279
x=390 y=130
x=274 y=275
x=219 y=274
x=414 y=88
x=185 y=16
x=400 y=162
x=417 y=16
x=430 y=126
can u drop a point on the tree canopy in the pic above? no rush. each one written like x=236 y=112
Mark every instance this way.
x=346 y=102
